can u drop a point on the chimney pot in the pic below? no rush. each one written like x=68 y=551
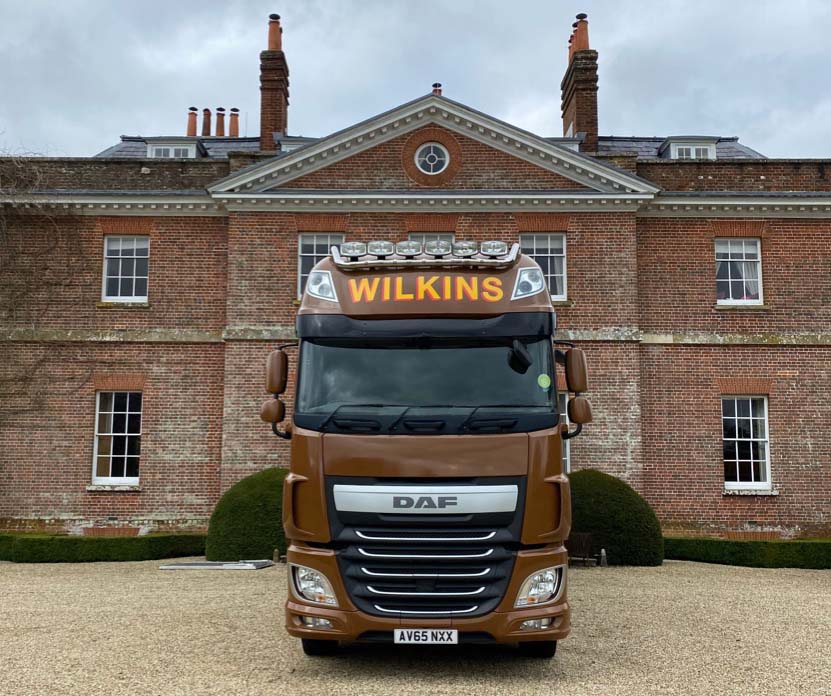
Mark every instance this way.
x=275 y=33
x=220 y=122
x=206 y=123
x=582 y=15
x=233 y=124
x=191 y=130
x=437 y=88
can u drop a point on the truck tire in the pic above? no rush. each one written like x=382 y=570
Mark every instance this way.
x=314 y=647
x=538 y=648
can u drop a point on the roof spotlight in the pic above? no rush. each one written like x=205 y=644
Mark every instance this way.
x=381 y=249
x=408 y=249
x=465 y=248
x=494 y=248
x=354 y=250
x=438 y=248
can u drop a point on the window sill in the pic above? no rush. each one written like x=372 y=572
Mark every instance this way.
x=296 y=302
x=111 y=304
x=750 y=491
x=127 y=487
x=562 y=302
x=741 y=307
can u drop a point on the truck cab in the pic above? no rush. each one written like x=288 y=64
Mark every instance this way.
x=426 y=500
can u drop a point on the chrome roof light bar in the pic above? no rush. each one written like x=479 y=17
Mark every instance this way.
x=475 y=258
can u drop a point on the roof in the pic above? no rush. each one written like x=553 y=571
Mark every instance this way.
x=648 y=148
x=213 y=147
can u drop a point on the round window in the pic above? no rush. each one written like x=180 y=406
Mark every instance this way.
x=432 y=158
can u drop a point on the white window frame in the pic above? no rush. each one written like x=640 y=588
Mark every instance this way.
x=562 y=407
x=564 y=296
x=132 y=299
x=425 y=237
x=438 y=146
x=189 y=148
x=729 y=301
x=115 y=480
x=318 y=257
x=747 y=485
x=695 y=151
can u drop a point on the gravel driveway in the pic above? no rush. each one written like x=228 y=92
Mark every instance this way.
x=685 y=628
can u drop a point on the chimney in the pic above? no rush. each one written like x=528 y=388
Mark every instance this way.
x=579 y=87
x=192 y=122
x=233 y=123
x=274 y=87
x=220 y=122
x=437 y=88
x=206 y=123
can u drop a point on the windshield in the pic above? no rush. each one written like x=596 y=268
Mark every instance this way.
x=431 y=374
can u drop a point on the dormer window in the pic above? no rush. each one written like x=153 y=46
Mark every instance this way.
x=696 y=147
x=157 y=150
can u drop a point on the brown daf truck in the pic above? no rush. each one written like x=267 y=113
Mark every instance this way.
x=427 y=502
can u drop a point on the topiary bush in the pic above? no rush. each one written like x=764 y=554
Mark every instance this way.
x=49 y=548
x=799 y=553
x=618 y=519
x=247 y=522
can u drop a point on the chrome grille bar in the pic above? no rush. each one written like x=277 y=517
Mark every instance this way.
x=434 y=613
x=489 y=535
x=425 y=575
x=426 y=594
x=425 y=555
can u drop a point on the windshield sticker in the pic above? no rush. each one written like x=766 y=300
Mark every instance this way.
x=544 y=382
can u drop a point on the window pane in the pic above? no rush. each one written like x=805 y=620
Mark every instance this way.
x=142 y=245
x=759 y=473
x=132 y=467
x=126 y=287
x=729 y=428
x=758 y=406
x=745 y=471
x=759 y=430
x=104 y=445
x=102 y=467
x=112 y=287
x=134 y=423
x=743 y=449
x=127 y=266
x=113 y=245
x=135 y=402
x=140 y=288
x=743 y=407
x=743 y=427
x=134 y=445
x=306 y=264
x=730 y=471
x=307 y=244
x=105 y=423
x=728 y=407
x=729 y=450
x=128 y=246
x=112 y=267
x=119 y=445
x=117 y=465
x=119 y=423
x=120 y=401
x=722 y=271
x=105 y=401
x=141 y=267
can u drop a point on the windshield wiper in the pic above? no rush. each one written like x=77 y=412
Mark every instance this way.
x=404 y=412
x=497 y=423
x=366 y=421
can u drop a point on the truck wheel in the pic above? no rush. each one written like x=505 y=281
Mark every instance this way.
x=314 y=647
x=538 y=648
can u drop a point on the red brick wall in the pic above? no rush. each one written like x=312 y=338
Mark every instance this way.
x=677 y=271
x=46 y=454
x=482 y=167
x=186 y=287
x=747 y=175
x=681 y=423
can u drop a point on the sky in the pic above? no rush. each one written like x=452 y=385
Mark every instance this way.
x=77 y=74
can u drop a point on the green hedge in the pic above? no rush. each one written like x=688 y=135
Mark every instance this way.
x=247 y=522
x=800 y=553
x=35 y=548
x=617 y=518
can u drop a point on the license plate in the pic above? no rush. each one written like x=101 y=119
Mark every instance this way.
x=426 y=636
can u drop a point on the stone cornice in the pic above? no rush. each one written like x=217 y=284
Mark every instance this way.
x=284 y=332
x=728 y=204
x=117 y=203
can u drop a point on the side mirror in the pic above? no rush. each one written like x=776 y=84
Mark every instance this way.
x=273 y=411
x=577 y=377
x=276 y=372
x=579 y=410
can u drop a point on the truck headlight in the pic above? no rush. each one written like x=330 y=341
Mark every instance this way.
x=313 y=586
x=528 y=282
x=320 y=285
x=543 y=586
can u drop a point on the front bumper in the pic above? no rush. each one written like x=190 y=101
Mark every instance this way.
x=501 y=626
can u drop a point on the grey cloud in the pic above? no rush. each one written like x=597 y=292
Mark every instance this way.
x=78 y=73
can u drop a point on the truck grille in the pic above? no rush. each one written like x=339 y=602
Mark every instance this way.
x=425 y=573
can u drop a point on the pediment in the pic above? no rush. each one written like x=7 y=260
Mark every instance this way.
x=559 y=168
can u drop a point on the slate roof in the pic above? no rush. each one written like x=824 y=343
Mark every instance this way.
x=647 y=148
x=215 y=148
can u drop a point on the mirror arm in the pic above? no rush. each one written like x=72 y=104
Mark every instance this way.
x=573 y=433
x=278 y=433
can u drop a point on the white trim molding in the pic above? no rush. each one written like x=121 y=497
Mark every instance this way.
x=433 y=110
x=115 y=203
x=738 y=205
